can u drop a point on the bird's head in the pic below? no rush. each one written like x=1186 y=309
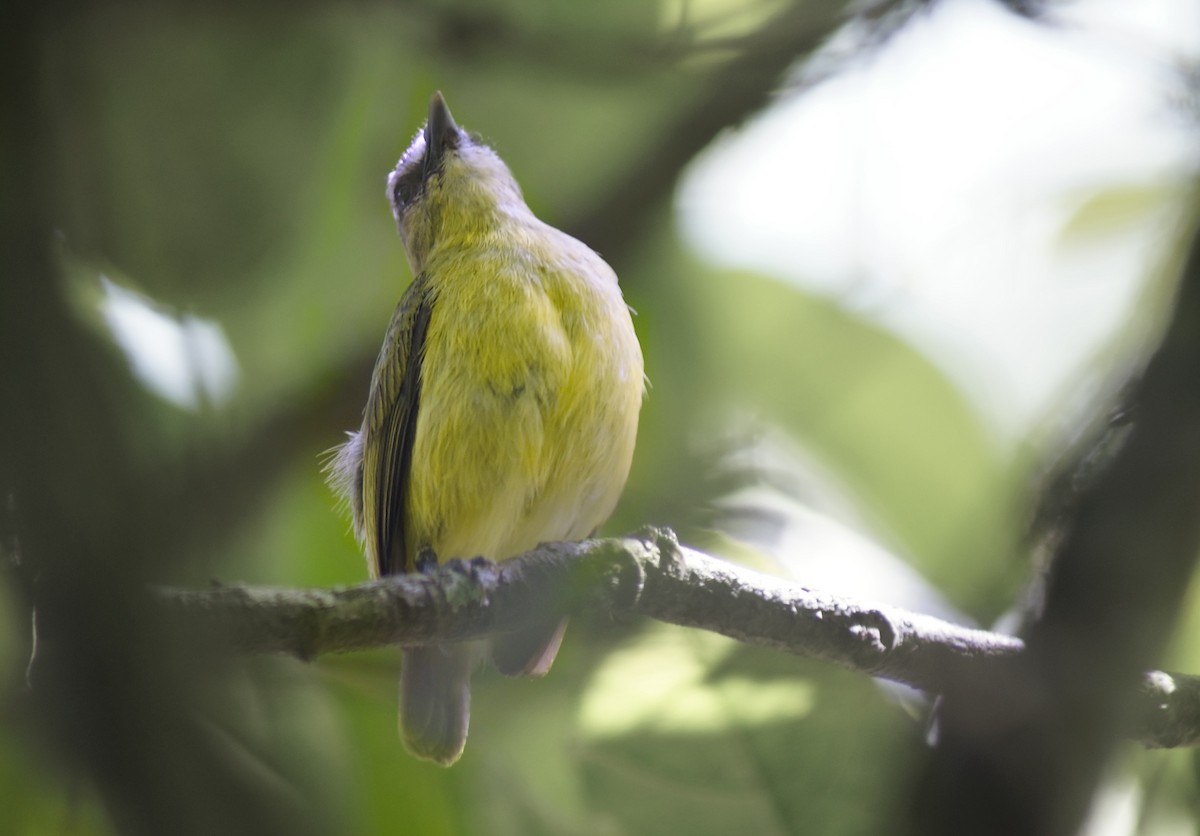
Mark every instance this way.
x=449 y=186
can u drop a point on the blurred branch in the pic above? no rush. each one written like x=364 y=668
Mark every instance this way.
x=1024 y=753
x=469 y=31
x=731 y=93
x=651 y=575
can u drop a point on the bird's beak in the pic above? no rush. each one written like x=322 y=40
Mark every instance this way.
x=441 y=132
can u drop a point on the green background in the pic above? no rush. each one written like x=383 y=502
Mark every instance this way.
x=230 y=165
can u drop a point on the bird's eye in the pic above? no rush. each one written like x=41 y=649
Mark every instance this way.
x=407 y=186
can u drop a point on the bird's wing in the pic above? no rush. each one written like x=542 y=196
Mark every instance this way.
x=390 y=427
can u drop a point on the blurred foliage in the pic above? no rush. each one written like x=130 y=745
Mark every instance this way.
x=230 y=165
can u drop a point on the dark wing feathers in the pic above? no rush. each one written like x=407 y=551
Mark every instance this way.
x=390 y=427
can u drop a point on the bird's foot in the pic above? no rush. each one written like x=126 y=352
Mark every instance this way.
x=427 y=560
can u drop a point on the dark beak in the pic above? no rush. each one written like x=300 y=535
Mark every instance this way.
x=441 y=132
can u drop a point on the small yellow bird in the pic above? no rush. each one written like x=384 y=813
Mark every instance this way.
x=503 y=407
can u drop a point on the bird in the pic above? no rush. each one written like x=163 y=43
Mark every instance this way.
x=502 y=410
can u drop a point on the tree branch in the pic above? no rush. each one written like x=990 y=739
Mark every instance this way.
x=648 y=574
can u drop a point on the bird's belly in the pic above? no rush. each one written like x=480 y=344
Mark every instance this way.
x=472 y=475
x=534 y=457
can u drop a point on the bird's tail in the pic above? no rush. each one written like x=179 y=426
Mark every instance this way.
x=435 y=701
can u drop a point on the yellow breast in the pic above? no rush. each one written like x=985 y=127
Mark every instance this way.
x=531 y=384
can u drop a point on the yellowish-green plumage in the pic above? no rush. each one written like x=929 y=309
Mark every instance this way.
x=503 y=408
